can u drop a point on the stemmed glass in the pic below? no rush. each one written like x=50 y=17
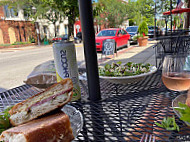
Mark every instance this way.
x=176 y=72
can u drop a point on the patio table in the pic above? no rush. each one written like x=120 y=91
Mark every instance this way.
x=123 y=113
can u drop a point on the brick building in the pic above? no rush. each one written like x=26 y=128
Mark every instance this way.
x=14 y=27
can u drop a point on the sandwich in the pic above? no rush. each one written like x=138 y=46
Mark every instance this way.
x=53 y=128
x=53 y=97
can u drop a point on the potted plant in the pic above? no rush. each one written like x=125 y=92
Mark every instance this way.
x=143 y=31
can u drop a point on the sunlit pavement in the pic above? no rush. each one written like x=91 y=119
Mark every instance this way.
x=17 y=63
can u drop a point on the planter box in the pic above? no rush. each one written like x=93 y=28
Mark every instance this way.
x=143 y=41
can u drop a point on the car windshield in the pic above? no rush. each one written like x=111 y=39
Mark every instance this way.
x=132 y=29
x=106 y=33
x=151 y=27
x=63 y=36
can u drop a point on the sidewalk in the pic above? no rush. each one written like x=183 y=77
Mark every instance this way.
x=29 y=47
x=134 y=53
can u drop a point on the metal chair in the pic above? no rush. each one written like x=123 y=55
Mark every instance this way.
x=172 y=45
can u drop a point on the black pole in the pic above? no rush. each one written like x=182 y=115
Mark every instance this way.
x=171 y=15
x=171 y=25
x=85 y=9
x=166 y=27
x=155 y=20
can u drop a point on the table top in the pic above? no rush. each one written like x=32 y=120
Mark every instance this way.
x=123 y=113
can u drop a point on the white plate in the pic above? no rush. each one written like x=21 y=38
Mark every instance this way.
x=129 y=79
x=75 y=117
x=181 y=98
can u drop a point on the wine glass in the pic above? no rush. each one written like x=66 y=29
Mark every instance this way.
x=176 y=72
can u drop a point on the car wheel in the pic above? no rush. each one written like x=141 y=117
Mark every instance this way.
x=128 y=44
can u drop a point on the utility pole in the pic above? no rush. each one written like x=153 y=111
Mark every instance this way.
x=155 y=20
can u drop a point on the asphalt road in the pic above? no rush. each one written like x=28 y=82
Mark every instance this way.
x=16 y=65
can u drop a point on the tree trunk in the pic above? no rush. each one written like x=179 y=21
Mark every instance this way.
x=70 y=26
x=55 y=29
x=71 y=22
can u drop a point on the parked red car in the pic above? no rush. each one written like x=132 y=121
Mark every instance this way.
x=120 y=36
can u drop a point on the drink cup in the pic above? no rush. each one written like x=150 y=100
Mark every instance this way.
x=66 y=65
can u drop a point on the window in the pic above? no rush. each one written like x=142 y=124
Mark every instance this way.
x=123 y=32
x=10 y=12
x=106 y=33
x=66 y=29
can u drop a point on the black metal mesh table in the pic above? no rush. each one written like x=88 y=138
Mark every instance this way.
x=123 y=114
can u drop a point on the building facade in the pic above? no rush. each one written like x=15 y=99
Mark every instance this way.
x=15 y=26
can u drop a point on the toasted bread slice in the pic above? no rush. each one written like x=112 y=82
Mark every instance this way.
x=53 y=97
x=53 y=128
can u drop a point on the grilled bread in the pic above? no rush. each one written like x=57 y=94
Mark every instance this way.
x=54 y=128
x=53 y=97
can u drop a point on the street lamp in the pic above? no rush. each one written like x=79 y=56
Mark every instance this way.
x=166 y=21
x=36 y=25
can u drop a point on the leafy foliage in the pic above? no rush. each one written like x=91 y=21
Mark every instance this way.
x=111 y=13
x=69 y=8
x=184 y=111
x=168 y=123
x=164 y=5
x=143 y=28
x=4 y=120
x=141 y=10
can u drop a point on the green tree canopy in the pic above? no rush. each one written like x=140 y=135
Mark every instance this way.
x=141 y=10
x=111 y=12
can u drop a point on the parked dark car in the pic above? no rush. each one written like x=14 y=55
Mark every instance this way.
x=78 y=38
x=60 y=38
x=133 y=31
x=151 y=31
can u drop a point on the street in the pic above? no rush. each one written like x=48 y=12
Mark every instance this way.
x=17 y=64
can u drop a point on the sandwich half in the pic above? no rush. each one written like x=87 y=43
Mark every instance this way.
x=53 y=97
x=54 y=128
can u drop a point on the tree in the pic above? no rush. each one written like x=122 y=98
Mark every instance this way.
x=164 y=5
x=141 y=10
x=112 y=13
x=69 y=8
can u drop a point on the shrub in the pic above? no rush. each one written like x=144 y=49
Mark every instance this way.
x=143 y=28
x=19 y=43
x=32 y=39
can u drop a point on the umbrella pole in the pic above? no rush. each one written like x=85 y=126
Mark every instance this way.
x=171 y=25
x=88 y=34
x=171 y=15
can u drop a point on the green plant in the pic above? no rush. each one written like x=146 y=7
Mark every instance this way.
x=31 y=39
x=136 y=37
x=19 y=43
x=143 y=28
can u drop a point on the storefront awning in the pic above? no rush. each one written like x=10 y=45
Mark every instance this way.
x=177 y=11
